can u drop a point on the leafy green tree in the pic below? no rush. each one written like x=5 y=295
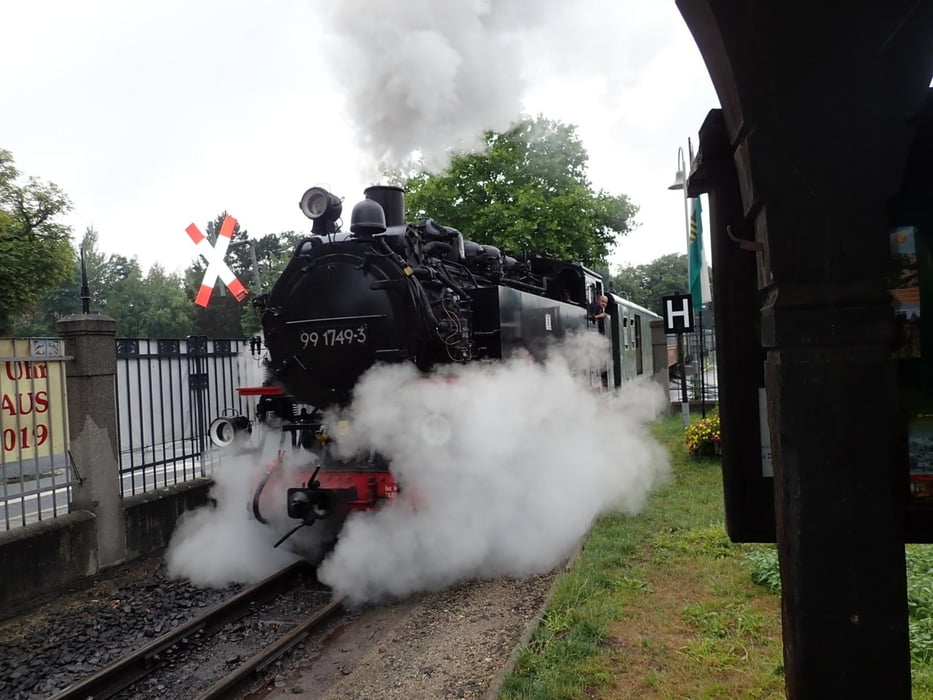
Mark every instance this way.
x=272 y=252
x=646 y=284
x=152 y=306
x=59 y=302
x=36 y=254
x=527 y=192
x=144 y=306
x=102 y=275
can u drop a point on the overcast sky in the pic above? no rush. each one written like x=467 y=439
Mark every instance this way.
x=153 y=114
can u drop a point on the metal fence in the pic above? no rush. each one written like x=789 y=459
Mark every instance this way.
x=702 y=375
x=168 y=392
x=35 y=464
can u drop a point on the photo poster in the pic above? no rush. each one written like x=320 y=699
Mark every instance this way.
x=914 y=370
x=905 y=291
x=920 y=450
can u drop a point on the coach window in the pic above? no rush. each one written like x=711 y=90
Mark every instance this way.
x=639 y=361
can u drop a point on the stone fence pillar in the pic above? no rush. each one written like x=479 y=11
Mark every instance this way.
x=92 y=422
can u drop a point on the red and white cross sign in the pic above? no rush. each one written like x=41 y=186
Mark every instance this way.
x=216 y=266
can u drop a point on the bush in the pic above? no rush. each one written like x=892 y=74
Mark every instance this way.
x=763 y=565
x=702 y=436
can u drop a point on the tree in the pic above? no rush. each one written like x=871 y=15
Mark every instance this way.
x=36 y=254
x=273 y=252
x=646 y=284
x=144 y=306
x=527 y=192
x=153 y=306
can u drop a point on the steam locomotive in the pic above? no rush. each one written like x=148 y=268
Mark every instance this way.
x=421 y=293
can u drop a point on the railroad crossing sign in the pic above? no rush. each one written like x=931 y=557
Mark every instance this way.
x=216 y=266
x=678 y=313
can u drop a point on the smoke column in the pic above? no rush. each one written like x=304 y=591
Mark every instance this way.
x=503 y=467
x=426 y=75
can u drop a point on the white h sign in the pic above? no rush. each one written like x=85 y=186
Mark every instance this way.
x=678 y=313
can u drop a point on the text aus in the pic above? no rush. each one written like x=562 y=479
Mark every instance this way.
x=24 y=406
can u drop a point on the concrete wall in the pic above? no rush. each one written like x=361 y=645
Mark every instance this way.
x=151 y=517
x=44 y=558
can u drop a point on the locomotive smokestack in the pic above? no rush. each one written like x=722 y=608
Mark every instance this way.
x=392 y=200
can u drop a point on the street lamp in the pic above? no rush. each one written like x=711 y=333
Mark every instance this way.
x=680 y=183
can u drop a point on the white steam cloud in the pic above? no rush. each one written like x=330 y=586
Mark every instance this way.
x=428 y=76
x=503 y=467
x=221 y=544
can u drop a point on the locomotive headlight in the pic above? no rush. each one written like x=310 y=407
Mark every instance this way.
x=317 y=203
x=224 y=430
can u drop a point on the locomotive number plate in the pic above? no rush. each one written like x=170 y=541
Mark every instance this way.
x=333 y=337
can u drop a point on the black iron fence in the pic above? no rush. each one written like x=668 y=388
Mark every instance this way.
x=35 y=470
x=702 y=371
x=168 y=392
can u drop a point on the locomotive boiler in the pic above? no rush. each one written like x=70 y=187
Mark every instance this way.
x=392 y=291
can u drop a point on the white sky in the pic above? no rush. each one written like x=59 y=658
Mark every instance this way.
x=152 y=114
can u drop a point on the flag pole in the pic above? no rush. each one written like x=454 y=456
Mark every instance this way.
x=680 y=183
x=699 y=304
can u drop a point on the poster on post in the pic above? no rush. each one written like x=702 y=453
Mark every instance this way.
x=33 y=400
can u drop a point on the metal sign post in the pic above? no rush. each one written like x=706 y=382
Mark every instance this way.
x=678 y=318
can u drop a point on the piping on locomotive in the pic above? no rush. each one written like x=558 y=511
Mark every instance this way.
x=393 y=291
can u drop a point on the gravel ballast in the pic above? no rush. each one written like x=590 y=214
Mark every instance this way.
x=448 y=644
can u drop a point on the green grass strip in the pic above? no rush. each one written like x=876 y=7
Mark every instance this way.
x=613 y=610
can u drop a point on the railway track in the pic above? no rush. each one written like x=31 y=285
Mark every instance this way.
x=129 y=669
x=254 y=665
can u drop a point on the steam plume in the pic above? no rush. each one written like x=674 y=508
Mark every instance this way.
x=221 y=544
x=429 y=76
x=503 y=467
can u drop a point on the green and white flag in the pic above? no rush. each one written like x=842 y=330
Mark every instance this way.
x=697 y=272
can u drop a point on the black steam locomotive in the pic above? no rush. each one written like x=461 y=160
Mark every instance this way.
x=393 y=291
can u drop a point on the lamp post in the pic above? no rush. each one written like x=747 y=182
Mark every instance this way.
x=680 y=183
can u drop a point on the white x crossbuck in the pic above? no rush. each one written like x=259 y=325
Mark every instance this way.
x=216 y=265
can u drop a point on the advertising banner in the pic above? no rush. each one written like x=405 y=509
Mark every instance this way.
x=33 y=402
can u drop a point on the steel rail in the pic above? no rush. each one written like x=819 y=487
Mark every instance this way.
x=255 y=664
x=122 y=673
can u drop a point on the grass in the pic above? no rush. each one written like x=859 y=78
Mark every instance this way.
x=660 y=605
x=663 y=605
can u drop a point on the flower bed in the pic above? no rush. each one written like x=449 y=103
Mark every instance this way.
x=702 y=436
